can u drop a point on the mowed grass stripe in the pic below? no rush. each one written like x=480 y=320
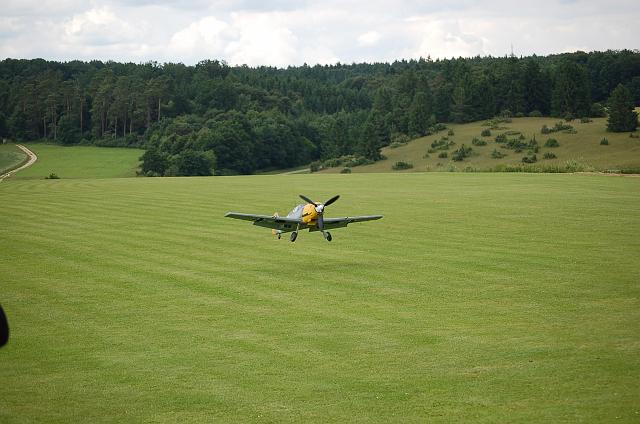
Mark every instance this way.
x=476 y=298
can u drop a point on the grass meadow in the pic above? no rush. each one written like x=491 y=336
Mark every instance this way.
x=623 y=152
x=81 y=162
x=478 y=298
x=10 y=157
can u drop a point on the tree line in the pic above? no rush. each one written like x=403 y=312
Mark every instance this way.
x=192 y=120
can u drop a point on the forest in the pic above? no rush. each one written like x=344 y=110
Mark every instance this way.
x=215 y=118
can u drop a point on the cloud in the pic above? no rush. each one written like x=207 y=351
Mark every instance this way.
x=100 y=26
x=369 y=38
x=287 y=32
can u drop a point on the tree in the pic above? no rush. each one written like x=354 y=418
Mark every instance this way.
x=193 y=163
x=420 y=114
x=621 y=114
x=68 y=130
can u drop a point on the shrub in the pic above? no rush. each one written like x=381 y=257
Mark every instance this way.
x=461 y=153
x=519 y=115
x=345 y=171
x=450 y=132
x=507 y=133
x=549 y=155
x=585 y=120
x=400 y=138
x=442 y=144
x=551 y=142
x=529 y=159
x=443 y=155
x=496 y=154
x=597 y=111
x=634 y=135
x=604 y=142
x=486 y=132
x=426 y=156
x=478 y=142
x=535 y=114
x=51 y=176
x=569 y=117
x=400 y=165
x=432 y=150
x=506 y=114
x=315 y=166
x=545 y=129
x=501 y=138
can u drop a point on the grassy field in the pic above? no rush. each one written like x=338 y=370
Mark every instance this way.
x=584 y=147
x=479 y=297
x=10 y=157
x=81 y=162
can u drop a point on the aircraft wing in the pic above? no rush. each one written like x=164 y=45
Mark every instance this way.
x=330 y=223
x=281 y=223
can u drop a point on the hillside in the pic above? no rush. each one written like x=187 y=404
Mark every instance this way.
x=583 y=147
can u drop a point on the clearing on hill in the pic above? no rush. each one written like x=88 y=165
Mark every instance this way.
x=515 y=143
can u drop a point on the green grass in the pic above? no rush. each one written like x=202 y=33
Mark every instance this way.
x=584 y=147
x=81 y=162
x=478 y=298
x=10 y=157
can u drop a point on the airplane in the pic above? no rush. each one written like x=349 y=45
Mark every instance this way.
x=308 y=215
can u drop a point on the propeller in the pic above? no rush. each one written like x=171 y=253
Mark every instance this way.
x=320 y=208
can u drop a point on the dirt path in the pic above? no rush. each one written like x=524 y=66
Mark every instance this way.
x=32 y=158
x=297 y=171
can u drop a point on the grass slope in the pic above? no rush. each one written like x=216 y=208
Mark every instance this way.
x=10 y=157
x=478 y=298
x=81 y=162
x=622 y=151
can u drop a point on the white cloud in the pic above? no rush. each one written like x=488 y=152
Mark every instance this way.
x=369 y=38
x=287 y=32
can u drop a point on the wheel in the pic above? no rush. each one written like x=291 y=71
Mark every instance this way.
x=294 y=235
x=279 y=236
x=327 y=236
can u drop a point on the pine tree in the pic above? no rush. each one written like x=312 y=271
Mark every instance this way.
x=419 y=113
x=621 y=114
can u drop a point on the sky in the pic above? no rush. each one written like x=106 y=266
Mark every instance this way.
x=287 y=32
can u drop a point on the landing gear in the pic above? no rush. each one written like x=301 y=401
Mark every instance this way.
x=327 y=236
x=279 y=236
x=294 y=235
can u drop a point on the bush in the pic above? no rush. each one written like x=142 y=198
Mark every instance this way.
x=345 y=171
x=634 y=135
x=52 y=176
x=506 y=114
x=569 y=117
x=551 y=142
x=315 y=166
x=604 y=142
x=549 y=155
x=529 y=159
x=451 y=132
x=501 y=138
x=443 y=155
x=461 y=153
x=478 y=142
x=535 y=114
x=486 y=132
x=400 y=165
x=519 y=115
x=597 y=111
x=497 y=154
x=585 y=120
x=442 y=144
x=432 y=150
x=559 y=126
